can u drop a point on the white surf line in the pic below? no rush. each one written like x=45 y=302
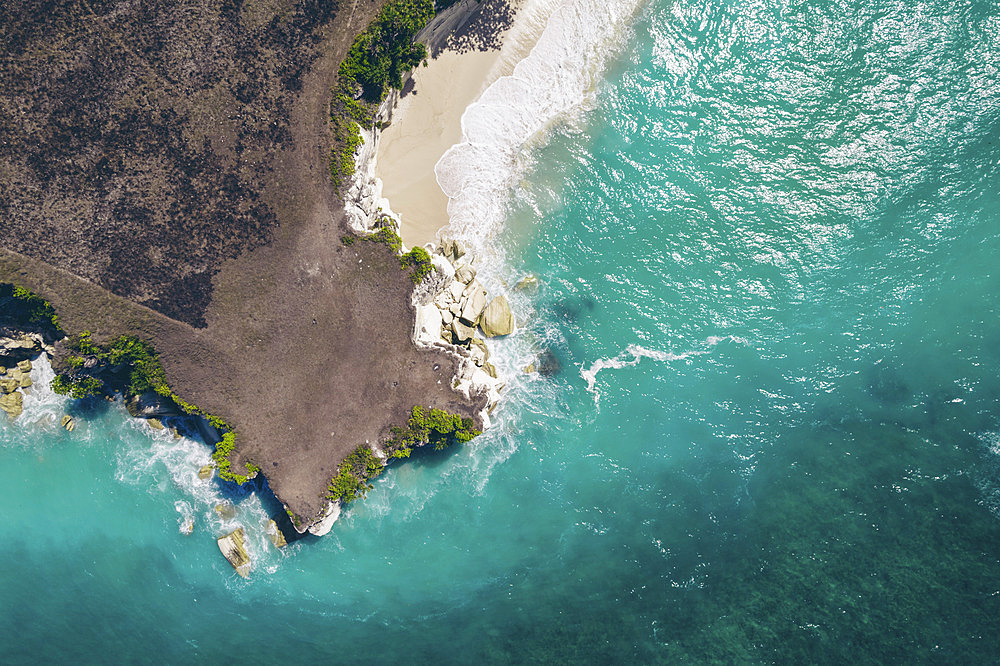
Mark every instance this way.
x=560 y=74
x=632 y=355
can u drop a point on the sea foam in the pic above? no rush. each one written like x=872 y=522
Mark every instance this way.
x=633 y=354
x=558 y=76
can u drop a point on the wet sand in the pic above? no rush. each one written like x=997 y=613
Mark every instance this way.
x=426 y=120
x=426 y=123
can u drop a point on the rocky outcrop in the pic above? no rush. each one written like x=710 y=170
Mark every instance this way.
x=205 y=472
x=233 y=550
x=275 y=535
x=12 y=381
x=11 y=403
x=18 y=347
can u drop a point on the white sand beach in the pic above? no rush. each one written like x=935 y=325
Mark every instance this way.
x=426 y=122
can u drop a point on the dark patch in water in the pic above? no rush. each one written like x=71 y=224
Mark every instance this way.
x=885 y=384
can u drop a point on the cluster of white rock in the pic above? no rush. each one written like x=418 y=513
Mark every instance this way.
x=452 y=308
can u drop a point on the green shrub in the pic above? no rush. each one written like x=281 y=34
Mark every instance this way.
x=35 y=310
x=79 y=388
x=385 y=50
x=429 y=426
x=387 y=236
x=420 y=260
x=224 y=467
x=348 y=240
x=353 y=474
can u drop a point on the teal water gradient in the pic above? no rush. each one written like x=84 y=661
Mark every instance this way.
x=769 y=277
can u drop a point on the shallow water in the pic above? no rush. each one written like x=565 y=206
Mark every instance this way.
x=767 y=251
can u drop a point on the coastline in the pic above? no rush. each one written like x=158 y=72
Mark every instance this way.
x=469 y=48
x=305 y=348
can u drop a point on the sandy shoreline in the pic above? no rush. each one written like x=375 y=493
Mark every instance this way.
x=427 y=118
x=426 y=123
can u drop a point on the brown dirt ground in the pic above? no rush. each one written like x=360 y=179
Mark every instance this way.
x=300 y=342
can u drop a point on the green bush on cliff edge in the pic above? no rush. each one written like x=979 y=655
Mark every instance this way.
x=429 y=426
x=376 y=62
x=32 y=308
x=425 y=426
x=136 y=369
x=224 y=468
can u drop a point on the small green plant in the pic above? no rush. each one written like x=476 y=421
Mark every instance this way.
x=420 y=261
x=348 y=240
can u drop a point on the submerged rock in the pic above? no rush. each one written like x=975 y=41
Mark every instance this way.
x=275 y=534
x=548 y=363
x=226 y=510
x=233 y=550
x=497 y=318
x=205 y=472
x=527 y=283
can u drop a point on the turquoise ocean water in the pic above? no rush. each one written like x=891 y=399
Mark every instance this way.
x=767 y=243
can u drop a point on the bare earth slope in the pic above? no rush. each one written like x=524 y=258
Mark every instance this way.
x=163 y=173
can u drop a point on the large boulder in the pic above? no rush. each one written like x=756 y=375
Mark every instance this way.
x=497 y=319
x=24 y=366
x=233 y=549
x=462 y=333
x=475 y=303
x=465 y=274
x=9 y=385
x=205 y=472
x=11 y=403
x=428 y=321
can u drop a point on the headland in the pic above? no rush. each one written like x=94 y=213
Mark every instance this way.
x=191 y=207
